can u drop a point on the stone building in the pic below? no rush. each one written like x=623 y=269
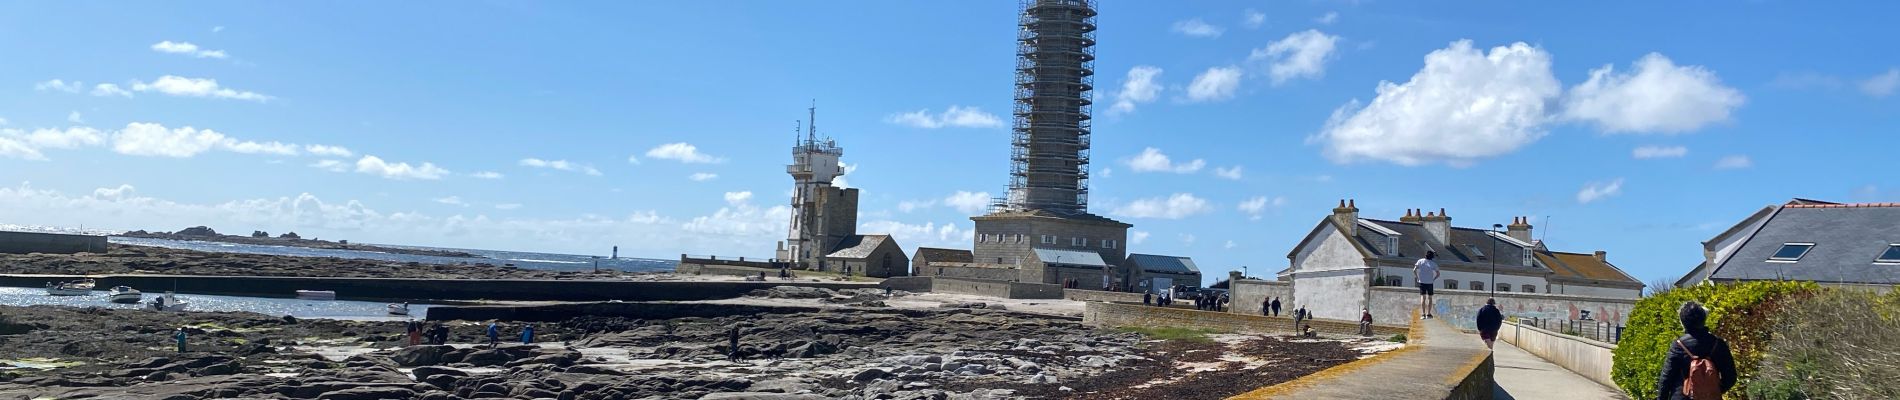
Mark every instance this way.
x=1345 y=256
x=1850 y=245
x=869 y=255
x=921 y=260
x=1155 y=274
x=1016 y=238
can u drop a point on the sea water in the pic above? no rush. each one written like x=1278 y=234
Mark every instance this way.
x=331 y=309
x=525 y=260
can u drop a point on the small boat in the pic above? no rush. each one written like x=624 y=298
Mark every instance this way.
x=316 y=294
x=398 y=309
x=126 y=295
x=82 y=287
x=169 y=302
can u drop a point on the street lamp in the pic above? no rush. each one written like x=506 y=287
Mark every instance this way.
x=1494 y=257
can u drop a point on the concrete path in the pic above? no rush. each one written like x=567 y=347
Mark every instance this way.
x=1521 y=375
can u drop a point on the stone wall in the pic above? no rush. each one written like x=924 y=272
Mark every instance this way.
x=401 y=289
x=1003 y=247
x=1111 y=315
x=999 y=289
x=50 y=243
x=908 y=283
x=1459 y=307
x=994 y=274
x=1336 y=294
x=1589 y=358
x=1097 y=295
x=1247 y=294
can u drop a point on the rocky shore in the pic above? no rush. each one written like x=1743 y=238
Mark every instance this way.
x=961 y=352
x=127 y=259
x=205 y=234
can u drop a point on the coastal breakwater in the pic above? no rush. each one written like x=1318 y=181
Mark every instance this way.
x=403 y=289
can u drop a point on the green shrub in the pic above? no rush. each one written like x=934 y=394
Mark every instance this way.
x=1836 y=344
x=1739 y=313
x=1399 y=338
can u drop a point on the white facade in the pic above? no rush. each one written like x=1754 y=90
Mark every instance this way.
x=1464 y=280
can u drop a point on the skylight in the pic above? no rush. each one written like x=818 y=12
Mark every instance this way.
x=1476 y=252
x=1891 y=256
x=1792 y=251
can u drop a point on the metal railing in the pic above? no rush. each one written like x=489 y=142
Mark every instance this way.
x=1602 y=331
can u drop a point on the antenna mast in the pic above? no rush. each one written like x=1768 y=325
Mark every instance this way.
x=811 y=131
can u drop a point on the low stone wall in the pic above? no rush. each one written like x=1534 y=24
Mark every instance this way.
x=908 y=283
x=994 y=274
x=432 y=289
x=50 y=243
x=1437 y=362
x=1097 y=295
x=1110 y=315
x=999 y=289
x=1247 y=294
x=1586 y=357
x=1460 y=307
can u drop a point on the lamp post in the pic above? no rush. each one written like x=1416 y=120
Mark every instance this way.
x=1494 y=258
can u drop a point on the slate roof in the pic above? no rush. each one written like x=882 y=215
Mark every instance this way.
x=1164 y=264
x=857 y=246
x=1079 y=216
x=1070 y=257
x=1582 y=267
x=1414 y=241
x=934 y=255
x=1846 y=237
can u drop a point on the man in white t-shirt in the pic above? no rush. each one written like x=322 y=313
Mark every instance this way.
x=1425 y=272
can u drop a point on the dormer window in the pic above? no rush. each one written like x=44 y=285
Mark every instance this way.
x=1791 y=252
x=1892 y=255
x=1475 y=252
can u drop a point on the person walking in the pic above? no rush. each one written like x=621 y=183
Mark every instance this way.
x=1699 y=365
x=1147 y=298
x=1425 y=272
x=494 y=335
x=1489 y=320
x=1299 y=316
x=1365 y=322
x=438 y=334
x=732 y=343
x=415 y=332
x=527 y=334
x=1266 y=307
x=180 y=336
x=1276 y=306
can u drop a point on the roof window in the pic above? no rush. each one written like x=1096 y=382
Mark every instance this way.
x=1791 y=252
x=1476 y=252
x=1892 y=255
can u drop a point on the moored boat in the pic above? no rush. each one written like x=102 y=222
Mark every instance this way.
x=82 y=287
x=126 y=295
x=169 y=302
x=398 y=308
x=316 y=294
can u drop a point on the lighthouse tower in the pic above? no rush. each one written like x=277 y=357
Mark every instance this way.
x=822 y=214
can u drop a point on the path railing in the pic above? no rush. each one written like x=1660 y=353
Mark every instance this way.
x=1601 y=331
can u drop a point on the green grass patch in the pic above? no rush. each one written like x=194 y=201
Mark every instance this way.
x=1400 y=338
x=1172 y=333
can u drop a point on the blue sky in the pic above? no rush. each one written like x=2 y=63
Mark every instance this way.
x=1638 y=128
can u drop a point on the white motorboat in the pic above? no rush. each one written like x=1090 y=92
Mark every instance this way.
x=126 y=295
x=82 y=287
x=316 y=294
x=398 y=309
x=169 y=302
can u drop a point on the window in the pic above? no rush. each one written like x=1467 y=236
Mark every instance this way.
x=1527 y=258
x=1477 y=286
x=1891 y=256
x=1476 y=252
x=1021 y=238
x=1394 y=280
x=1504 y=287
x=982 y=238
x=1046 y=239
x=1451 y=284
x=1791 y=252
x=1530 y=289
x=1108 y=244
x=1078 y=241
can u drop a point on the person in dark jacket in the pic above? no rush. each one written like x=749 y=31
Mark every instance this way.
x=1489 y=320
x=1697 y=339
x=1147 y=298
x=1276 y=306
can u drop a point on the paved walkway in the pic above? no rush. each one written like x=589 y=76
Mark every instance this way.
x=1521 y=375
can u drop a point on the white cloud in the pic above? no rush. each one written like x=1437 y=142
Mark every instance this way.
x=1233 y=172
x=59 y=85
x=1178 y=206
x=1230 y=244
x=1152 y=160
x=216 y=29
x=1658 y=97
x=13 y=148
x=682 y=152
x=1882 y=85
x=399 y=171
x=1138 y=87
x=1599 y=190
x=1256 y=207
x=968 y=202
x=562 y=165
x=1107 y=172
x=508 y=206
x=914 y=205
x=1215 y=84
x=928 y=234
x=703 y=176
x=1253 y=19
x=1328 y=19
x=44 y=138
x=1187 y=238
x=332 y=151
x=1647 y=152
x=152 y=139
x=331 y=165
x=1734 y=162
x=737 y=198
x=1300 y=55
x=452 y=200
x=109 y=90
x=76 y=117
x=487 y=175
x=276 y=148
x=3 y=121
x=186 y=48
x=1137 y=236
x=954 y=117
x=1197 y=28
x=632 y=159
x=196 y=87
x=847 y=170
x=1462 y=106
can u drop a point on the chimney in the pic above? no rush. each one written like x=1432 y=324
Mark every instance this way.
x=1520 y=229
x=1602 y=257
x=1347 y=215
x=1438 y=225
x=1409 y=216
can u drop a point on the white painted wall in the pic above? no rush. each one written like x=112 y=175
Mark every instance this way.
x=1331 y=251
x=1595 y=291
x=1335 y=294
x=1464 y=279
x=1589 y=358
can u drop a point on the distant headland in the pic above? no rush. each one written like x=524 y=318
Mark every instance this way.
x=206 y=234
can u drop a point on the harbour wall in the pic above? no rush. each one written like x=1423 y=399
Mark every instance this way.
x=431 y=289
x=50 y=243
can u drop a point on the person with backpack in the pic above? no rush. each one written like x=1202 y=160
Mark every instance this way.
x=494 y=335
x=1699 y=365
x=1489 y=320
